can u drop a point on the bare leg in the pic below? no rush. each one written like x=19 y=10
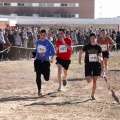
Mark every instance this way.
x=89 y=79
x=94 y=84
x=65 y=74
x=59 y=73
x=106 y=64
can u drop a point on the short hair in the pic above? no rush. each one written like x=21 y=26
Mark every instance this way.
x=63 y=30
x=103 y=30
x=92 y=34
x=43 y=31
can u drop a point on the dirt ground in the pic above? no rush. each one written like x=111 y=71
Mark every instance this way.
x=19 y=100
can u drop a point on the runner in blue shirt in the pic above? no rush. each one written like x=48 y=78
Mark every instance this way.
x=44 y=49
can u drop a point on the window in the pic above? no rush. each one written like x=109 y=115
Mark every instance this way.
x=63 y=5
x=35 y=4
x=56 y=4
x=57 y=15
x=1 y=4
x=50 y=4
x=13 y=4
x=76 y=15
x=71 y=4
x=27 y=4
x=43 y=4
x=71 y=16
x=6 y=4
x=20 y=4
x=76 y=4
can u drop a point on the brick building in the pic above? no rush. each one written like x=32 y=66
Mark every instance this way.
x=49 y=8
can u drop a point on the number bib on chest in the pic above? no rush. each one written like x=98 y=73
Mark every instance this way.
x=104 y=47
x=93 y=58
x=62 y=49
x=41 y=49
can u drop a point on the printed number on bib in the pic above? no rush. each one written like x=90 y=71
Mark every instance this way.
x=41 y=49
x=104 y=47
x=93 y=58
x=62 y=49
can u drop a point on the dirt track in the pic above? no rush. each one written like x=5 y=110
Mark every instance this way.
x=19 y=101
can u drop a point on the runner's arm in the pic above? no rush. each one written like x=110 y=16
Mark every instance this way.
x=101 y=62
x=112 y=43
x=80 y=56
x=68 y=46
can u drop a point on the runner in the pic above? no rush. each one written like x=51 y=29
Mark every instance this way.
x=44 y=49
x=93 y=58
x=106 y=44
x=63 y=52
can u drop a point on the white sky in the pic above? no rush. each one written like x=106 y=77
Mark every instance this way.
x=107 y=8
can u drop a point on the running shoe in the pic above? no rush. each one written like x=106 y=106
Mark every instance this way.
x=64 y=82
x=39 y=93
x=60 y=88
x=103 y=74
x=106 y=70
x=93 y=97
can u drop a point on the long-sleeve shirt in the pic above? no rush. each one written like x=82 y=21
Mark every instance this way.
x=44 y=47
x=2 y=39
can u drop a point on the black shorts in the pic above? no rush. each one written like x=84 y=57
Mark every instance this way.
x=92 y=69
x=42 y=67
x=105 y=54
x=64 y=63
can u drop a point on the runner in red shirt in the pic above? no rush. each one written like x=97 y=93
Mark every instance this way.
x=63 y=53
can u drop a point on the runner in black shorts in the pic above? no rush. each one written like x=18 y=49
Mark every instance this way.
x=106 y=44
x=44 y=49
x=105 y=54
x=64 y=63
x=63 y=53
x=93 y=62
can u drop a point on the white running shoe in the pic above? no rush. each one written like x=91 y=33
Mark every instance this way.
x=60 y=88
x=103 y=74
x=106 y=70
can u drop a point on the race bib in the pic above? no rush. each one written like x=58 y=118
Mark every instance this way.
x=41 y=49
x=93 y=58
x=62 y=49
x=104 y=47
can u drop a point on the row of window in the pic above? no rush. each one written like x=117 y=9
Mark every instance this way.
x=54 y=15
x=41 y=4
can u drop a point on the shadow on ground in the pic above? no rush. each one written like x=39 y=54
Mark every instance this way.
x=58 y=103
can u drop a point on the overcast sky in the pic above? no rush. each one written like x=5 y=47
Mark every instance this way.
x=107 y=8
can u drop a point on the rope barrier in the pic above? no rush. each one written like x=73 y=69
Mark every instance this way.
x=24 y=47
x=74 y=46
x=6 y=49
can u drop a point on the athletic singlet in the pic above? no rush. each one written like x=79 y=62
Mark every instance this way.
x=104 y=43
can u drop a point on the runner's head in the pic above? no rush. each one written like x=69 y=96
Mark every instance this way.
x=92 y=38
x=43 y=35
x=62 y=33
x=103 y=32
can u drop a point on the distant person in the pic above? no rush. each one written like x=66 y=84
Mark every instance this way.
x=2 y=42
x=118 y=41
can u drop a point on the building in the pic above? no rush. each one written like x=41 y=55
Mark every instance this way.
x=83 y=9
